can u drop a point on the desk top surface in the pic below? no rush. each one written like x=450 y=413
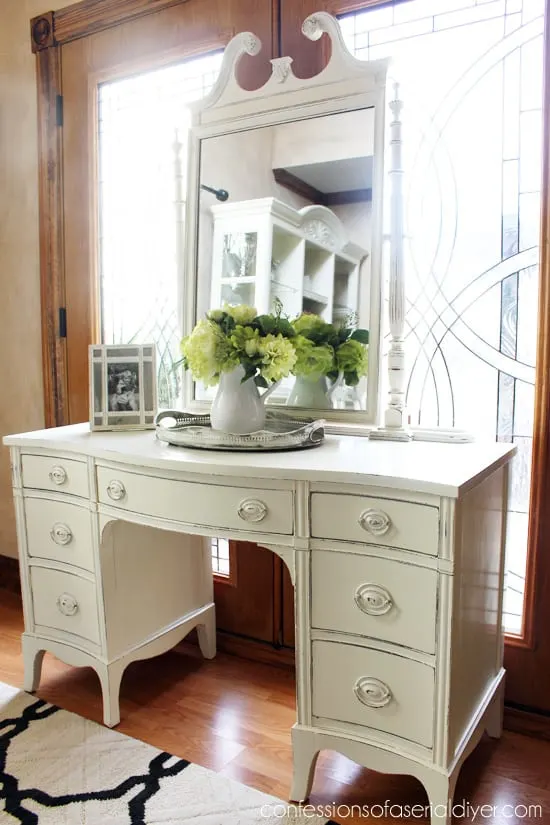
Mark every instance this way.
x=425 y=467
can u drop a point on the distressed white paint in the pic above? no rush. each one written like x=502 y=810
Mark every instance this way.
x=398 y=627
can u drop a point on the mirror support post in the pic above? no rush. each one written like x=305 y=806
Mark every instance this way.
x=395 y=417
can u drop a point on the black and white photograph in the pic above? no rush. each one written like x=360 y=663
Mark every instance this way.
x=123 y=387
x=123 y=392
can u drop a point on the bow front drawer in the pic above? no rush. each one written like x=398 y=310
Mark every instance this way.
x=380 y=598
x=63 y=601
x=377 y=690
x=64 y=475
x=375 y=521
x=208 y=505
x=60 y=531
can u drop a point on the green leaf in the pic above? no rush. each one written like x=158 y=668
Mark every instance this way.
x=261 y=382
x=361 y=335
x=351 y=378
x=285 y=328
x=249 y=370
x=343 y=334
x=267 y=324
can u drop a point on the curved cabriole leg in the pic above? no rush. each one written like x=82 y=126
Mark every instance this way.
x=207 y=635
x=32 y=662
x=110 y=677
x=305 y=751
x=440 y=790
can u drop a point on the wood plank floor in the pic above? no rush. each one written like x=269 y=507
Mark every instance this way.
x=234 y=716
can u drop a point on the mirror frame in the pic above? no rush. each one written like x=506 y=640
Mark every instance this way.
x=345 y=84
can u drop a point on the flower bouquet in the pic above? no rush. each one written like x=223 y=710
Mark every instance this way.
x=326 y=353
x=239 y=350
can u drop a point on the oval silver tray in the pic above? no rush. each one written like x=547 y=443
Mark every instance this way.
x=282 y=432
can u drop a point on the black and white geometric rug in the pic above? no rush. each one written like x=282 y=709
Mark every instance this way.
x=57 y=768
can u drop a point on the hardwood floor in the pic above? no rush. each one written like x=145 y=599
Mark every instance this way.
x=234 y=716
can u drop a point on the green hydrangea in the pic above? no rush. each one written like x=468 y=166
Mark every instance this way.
x=307 y=322
x=207 y=352
x=352 y=359
x=278 y=357
x=246 y=341
x=312 y=361
x=242 y=313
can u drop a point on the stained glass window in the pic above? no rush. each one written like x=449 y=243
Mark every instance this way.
x=143 y=122
x=471 y=76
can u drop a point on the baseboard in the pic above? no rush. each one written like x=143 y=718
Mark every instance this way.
x=245 y=648
x=9 y=574
x=527 y=722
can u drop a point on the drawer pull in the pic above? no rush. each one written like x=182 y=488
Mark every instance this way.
x=58 y=475
x=376 y=522
x=116 y=490
x=252 y=509
x=61 y=533
x=372 y=692
x=67 y=604
x=373 y=599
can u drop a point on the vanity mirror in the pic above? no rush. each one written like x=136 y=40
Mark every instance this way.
x=284 y=201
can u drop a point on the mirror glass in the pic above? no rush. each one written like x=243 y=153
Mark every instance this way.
x=285 y=213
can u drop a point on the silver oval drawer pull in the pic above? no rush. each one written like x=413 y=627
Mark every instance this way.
x=116 y=490
x=58 y=475
x=376 y=522
x=252 y=509
x=61 y=533
x=373 y=599
x=372 y=692
x=67 y=604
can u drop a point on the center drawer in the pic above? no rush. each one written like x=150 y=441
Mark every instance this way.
x=384 y=521
x=209 y=505
x=373 y=689
x=370 y=596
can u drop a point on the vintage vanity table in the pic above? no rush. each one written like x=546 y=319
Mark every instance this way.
x=395 y=549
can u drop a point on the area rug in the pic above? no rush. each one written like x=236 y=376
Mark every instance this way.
x=57 y=768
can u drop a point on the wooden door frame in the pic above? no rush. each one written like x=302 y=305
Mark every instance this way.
x=49 y=33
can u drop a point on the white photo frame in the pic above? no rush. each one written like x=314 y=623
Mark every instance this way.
x=123 y=386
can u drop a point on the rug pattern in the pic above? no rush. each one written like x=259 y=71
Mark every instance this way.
x=57 y=768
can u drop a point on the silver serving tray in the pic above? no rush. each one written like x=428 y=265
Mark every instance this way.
x=282 y=432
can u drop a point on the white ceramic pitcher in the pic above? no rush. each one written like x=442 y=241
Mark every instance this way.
x=238 y=407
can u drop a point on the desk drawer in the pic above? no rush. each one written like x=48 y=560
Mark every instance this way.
x=375 y=521
x=374 y=597
x=59 y=531
x=373 y=689
x=209 y=505
x=64 y=601
x=64 y=475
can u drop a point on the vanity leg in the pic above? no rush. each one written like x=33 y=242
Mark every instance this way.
x=32 y=662
x=441 y=789
x=305 y=751
x=110 y=677
x=493 y=718
x=207 y=634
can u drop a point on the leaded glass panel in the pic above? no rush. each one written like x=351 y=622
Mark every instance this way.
x=471 y=77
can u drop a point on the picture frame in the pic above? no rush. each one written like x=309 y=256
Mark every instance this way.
x=123 y=386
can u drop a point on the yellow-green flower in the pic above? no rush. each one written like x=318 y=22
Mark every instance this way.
x=312 y=360
x=242 y=313
x=215 y=314
x=278 y=357
x=208 y=352
x=307 y=322
x=245 y=340
x=352 y=357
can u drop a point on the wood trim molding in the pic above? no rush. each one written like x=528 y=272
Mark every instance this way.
x=527 y=722
x=245 y=648
x=9 y=575
x=89 y=17
x=50 y=197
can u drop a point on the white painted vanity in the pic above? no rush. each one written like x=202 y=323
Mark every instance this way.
x=395 y=551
